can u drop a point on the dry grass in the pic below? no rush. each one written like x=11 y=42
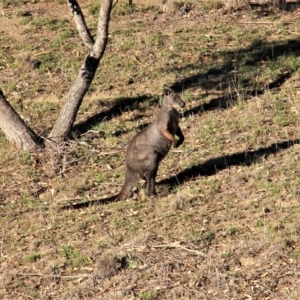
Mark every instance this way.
x=229 y=225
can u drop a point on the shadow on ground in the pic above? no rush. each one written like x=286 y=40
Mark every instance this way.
x=120 y=105
x=215 y=165
x=230 y=99
x=210 y=80
x=252 y=56
x=220 y=78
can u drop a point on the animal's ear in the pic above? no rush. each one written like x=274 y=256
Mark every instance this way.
x=166 y=90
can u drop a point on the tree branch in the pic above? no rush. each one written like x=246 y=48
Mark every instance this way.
x=81 y=26
x=102 y=30
x=84 y=79
x=15 y=129
x=75 y=96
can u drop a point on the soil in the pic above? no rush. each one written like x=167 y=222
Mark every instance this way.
x=225 y=223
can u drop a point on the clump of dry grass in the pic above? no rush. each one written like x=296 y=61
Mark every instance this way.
x=177 y=7
x=236 y=236
x=235 y=4
x=26 y=62
x=179 y=201
x=107 y=266
x=6 y=278
x=230 y=5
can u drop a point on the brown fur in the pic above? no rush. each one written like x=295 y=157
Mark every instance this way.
x=148 y=148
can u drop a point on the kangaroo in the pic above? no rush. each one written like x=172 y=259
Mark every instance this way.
x=148 y=148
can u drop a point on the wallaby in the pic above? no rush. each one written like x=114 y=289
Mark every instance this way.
x=147 y=149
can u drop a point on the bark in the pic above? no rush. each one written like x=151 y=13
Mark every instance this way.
x=83 y=30
x=86 y=74
x=15 y=129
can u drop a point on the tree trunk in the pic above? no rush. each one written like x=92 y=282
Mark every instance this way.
x=86 y=74
x=19 y=134
x=15 y=129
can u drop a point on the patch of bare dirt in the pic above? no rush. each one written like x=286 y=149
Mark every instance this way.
x=229 y=227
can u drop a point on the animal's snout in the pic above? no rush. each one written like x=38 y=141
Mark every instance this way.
x=178 y=104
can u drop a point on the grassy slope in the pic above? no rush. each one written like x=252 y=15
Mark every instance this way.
x=229 y=228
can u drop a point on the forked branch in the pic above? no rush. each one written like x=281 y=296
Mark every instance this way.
x=14 y=127
x=86 y=74
x=80 y=23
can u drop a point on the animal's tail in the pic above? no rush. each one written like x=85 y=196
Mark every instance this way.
x=130 y=178
x=125 y=193
x=89 y=203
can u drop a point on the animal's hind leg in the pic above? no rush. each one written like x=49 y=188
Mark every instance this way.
x=150 y=184
x=130 y=178
x=150 y=179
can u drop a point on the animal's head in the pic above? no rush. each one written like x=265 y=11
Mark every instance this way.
x=171 y=99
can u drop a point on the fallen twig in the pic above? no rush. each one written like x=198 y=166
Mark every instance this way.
x=171 y=245
x=177 y=245
x=43 y=53
x=19 y=183
x=2 y=243
x=54 y=276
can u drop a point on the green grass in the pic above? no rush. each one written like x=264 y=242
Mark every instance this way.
x=73 y=256
x=232 y=189
x=33 y=257
x=147 y=295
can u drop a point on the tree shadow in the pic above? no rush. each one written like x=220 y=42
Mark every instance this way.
x=215 y=165
x=227 y=73
x=268 y=7
x=219 y=77
x=120 y=105
x=224 y=101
